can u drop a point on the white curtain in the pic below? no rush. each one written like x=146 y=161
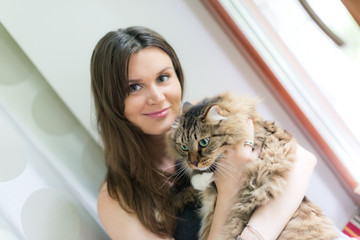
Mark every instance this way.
x=50 y=166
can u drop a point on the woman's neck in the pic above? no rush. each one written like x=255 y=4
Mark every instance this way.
x=157 y=138
x=158 y=146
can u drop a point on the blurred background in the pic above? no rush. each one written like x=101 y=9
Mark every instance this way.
x=51 y=162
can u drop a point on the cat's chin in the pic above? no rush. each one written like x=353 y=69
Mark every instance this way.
x=201 y=181
x=209 y=169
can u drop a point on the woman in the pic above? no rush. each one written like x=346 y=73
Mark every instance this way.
x=137 y=83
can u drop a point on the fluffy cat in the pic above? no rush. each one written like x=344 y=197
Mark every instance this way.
x=204 y=132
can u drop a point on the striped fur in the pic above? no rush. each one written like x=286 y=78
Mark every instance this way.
x=223 y=120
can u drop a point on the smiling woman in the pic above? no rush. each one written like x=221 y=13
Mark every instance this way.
x=153 y=97
x=305 y=70
x=136 y=80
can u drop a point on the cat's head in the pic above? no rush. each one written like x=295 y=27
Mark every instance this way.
x=204 y=132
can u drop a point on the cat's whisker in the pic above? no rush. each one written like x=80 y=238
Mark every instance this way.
x=218 y=169
x=230 y=165
x=231 y=170
x=175 y=165
x=179 y=173
x=227 y=166
x=224 y=168
x=171 y=176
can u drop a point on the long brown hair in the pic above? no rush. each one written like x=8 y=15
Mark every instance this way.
x=132 y=176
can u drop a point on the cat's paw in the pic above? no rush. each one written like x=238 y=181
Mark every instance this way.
x=201 y=181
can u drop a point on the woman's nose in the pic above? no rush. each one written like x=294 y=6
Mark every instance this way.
x=155 y=95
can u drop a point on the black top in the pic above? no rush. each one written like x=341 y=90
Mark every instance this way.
x=188 y=224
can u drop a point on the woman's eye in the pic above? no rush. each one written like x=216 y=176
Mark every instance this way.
x=184 y=147
x=204 y=142
x=134 y=87
x=163 y=78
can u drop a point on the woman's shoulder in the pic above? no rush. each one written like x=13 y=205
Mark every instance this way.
x=118 y=223
x=104 y=199
x=110 y=213
x=112 y=216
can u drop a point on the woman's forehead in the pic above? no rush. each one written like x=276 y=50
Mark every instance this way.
x=150 y=60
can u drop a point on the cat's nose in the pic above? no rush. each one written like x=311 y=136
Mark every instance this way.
x=196 y=163
x=194 y=160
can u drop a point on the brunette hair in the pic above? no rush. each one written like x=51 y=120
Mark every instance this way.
x=132 y=177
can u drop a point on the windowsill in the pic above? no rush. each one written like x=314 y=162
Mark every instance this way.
x=290 y=73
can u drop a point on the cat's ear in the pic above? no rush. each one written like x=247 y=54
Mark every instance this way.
x=186 y=106
x=214 y=115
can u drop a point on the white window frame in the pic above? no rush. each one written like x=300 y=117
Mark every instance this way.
x=293 y=87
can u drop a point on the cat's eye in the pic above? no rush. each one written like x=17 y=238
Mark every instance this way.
x=204 y=142
x=184 y=147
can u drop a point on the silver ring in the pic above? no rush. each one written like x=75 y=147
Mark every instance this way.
x=250 y=144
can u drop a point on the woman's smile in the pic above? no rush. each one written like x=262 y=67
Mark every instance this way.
x=158 y=114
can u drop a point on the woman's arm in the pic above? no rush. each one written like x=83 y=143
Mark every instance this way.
x=270 y=219
x=227 y=186
x=118 y=223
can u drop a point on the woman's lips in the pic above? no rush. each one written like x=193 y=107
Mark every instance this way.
x=159 y=114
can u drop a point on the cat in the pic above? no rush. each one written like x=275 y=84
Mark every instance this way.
x=202 y=135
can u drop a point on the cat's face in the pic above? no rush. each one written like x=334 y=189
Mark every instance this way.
x=200 y=136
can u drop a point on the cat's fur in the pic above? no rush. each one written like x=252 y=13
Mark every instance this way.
x=224 y=120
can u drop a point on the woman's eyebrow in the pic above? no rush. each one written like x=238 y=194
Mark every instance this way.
x=134 y=80
x=160 y=72
x=163 y=70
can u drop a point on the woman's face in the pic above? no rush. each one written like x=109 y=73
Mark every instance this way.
x=155 y=91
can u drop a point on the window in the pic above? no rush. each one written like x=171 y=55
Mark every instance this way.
x=316 y=77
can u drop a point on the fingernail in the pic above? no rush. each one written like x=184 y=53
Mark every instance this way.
x=357 y=190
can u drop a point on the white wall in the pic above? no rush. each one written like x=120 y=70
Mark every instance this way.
x=59 y=36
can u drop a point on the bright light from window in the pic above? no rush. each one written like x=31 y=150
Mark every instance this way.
x=322 y=77
x=335 y=70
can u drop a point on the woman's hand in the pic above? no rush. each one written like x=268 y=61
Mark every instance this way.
x=229 y=169
x=270 y=219
x=227 y=177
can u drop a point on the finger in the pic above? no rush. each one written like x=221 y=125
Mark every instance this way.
x=250 y=144
x=357 y=190
x=249 y=141
x=251 y=130
x=245 y=152
x=256 y=153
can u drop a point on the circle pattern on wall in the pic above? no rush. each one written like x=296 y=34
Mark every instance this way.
x=13 y=62
x=14 y=154
x=5 y=235
x=56 y=216
x=51 y=115
x=93 y=163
